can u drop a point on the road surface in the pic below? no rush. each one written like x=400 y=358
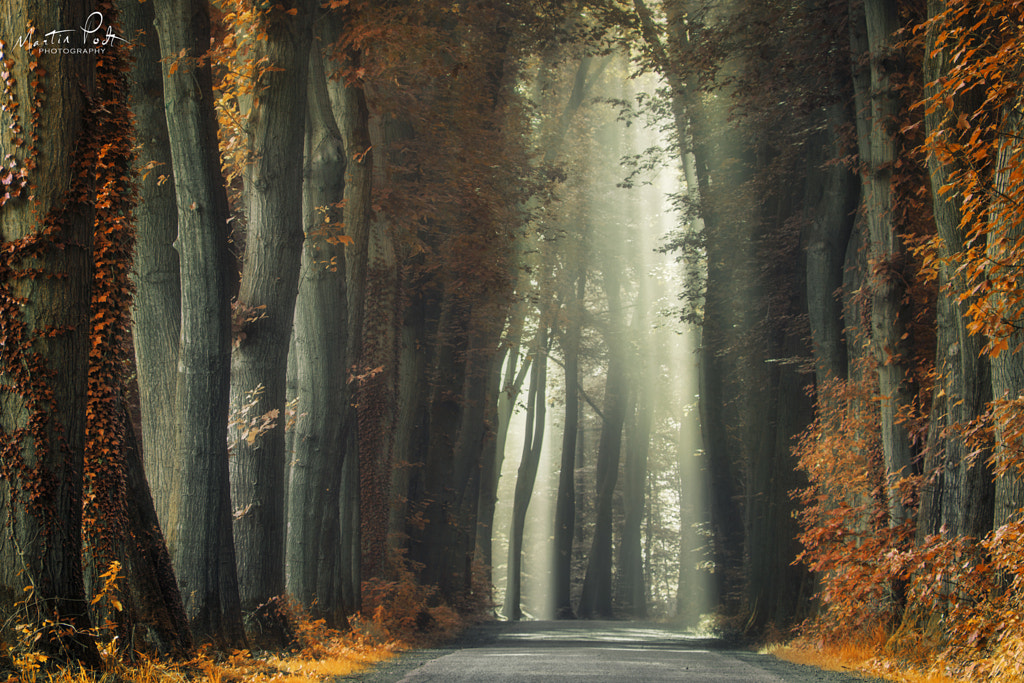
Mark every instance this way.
x=584 y=651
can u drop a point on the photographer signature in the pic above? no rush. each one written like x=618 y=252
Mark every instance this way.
x=94 y=24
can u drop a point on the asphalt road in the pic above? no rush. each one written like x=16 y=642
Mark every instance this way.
x=583 y=651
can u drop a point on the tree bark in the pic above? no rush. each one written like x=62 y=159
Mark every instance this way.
x=887 y=254
x=565 y=505
x=150 y=591
x=157 y=309
x=199 y=525
x=1008 y=366
x=362 y=226
x=832 y=194
x=120 y=524
x=527 y=474
x=321 y=319
x=930 y=505
x=965 y=373
x=444 y=406
x=266 y=302
x=378 y=362
x=44 y=341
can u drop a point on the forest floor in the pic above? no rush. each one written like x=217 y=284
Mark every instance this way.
x=323 y=656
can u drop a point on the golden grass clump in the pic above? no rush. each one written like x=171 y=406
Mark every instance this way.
x=318 y=654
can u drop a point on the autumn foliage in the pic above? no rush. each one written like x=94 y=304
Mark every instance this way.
x=952 y=604
x=981 y=144
x=947 y=602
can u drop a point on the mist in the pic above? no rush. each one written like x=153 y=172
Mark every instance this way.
x=602 y=297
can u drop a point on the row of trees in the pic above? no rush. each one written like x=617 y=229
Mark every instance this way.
x=336 y=239
x=857 y=171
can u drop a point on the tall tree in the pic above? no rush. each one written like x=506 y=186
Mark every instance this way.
x=966 y=498
x=596 y=598
x=878 y=20
x=46 y=229
x=270 y=273
x=321 y=318
x=630 y=590
x=1007 y=367
x=565 y=502
x=716 y=151
x=533 y=441
x=157 y=307
x=360 y=180
x=199 y=525
x=122 y=537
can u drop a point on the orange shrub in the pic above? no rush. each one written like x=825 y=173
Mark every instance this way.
x=402 y=610
x=845 y=535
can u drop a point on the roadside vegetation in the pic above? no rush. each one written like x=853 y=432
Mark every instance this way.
x=400 y=615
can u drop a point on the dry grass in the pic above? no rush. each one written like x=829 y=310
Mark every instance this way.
x=873 y=656
x=399 y=616
x=339 y=656
x=326 y=654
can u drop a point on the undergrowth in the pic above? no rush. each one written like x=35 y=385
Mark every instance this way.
x=326 y=654
x=398 y=614
x=943 y=608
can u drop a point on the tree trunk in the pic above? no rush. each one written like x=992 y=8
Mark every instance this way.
x=417 y=356
x=447 y=376
x=930 y=505
x=833 y=194
x=157 y=309
x=347 y=584
x=120 y=524
x=475 y=434
x=565 y=506
x=965 y=374
x=631 y=593
x=153 y=613
x=631 y=589
x=509 y=377
x=399 y=353
x=378 y=369
x=266 y=302
x=1008 y=366
x=44 y=341
x=719 y=311
x=362 y=226
x=199 y=525
x=321 y=319
x=887 y=255
x=596 y=598
x=411 y=424
x=490 y=473
x=527 y=474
